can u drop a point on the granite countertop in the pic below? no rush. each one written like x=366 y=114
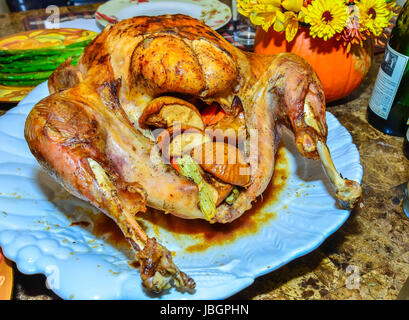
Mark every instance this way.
x=373 y=243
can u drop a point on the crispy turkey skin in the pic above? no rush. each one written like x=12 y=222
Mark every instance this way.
x=87 y=133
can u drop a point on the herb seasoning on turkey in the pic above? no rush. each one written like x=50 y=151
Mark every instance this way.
x=97 y=133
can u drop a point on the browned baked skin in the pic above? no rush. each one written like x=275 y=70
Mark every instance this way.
x=149 y=56
x=155 y=55
x=64 y=77
x=167 y=54
x=133 y=62
x=67 y=129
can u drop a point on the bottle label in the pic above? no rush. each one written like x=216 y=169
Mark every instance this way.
x=387 y=82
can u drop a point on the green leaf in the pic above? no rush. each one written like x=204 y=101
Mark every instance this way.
x=191 y=170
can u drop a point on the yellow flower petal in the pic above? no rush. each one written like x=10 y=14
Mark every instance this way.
x=279 y=24
x=291 y=28
x=292 y=5
x=261 y=12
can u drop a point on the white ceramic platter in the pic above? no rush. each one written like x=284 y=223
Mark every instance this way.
x=212 y=12
x=37 y=230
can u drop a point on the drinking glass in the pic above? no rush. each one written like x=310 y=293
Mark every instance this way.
x=244 y=31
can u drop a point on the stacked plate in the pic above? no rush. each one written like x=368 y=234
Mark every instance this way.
x=28 y=58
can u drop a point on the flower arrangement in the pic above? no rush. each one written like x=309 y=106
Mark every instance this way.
x=349 y=21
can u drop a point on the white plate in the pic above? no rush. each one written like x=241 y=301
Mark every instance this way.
x=36 y=230
x=212 y=12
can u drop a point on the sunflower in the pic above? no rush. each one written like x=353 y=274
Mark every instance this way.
x=374 y=15
x=326 y=17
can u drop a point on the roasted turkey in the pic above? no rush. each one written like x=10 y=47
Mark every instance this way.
x=129 y=127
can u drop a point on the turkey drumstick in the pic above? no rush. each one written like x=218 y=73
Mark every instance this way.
x=66 y=133
x=297 y=98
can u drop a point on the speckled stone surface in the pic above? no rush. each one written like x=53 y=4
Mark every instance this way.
x=367 y=258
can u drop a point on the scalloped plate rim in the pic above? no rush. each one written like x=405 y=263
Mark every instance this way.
x=244 y=279
x=102 y=8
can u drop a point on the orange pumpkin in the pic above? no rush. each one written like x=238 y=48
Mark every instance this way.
x=339 y=71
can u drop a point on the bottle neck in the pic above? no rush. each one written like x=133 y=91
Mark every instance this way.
x=399 y=39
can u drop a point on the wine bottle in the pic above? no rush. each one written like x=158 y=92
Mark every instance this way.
x=388 y=109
